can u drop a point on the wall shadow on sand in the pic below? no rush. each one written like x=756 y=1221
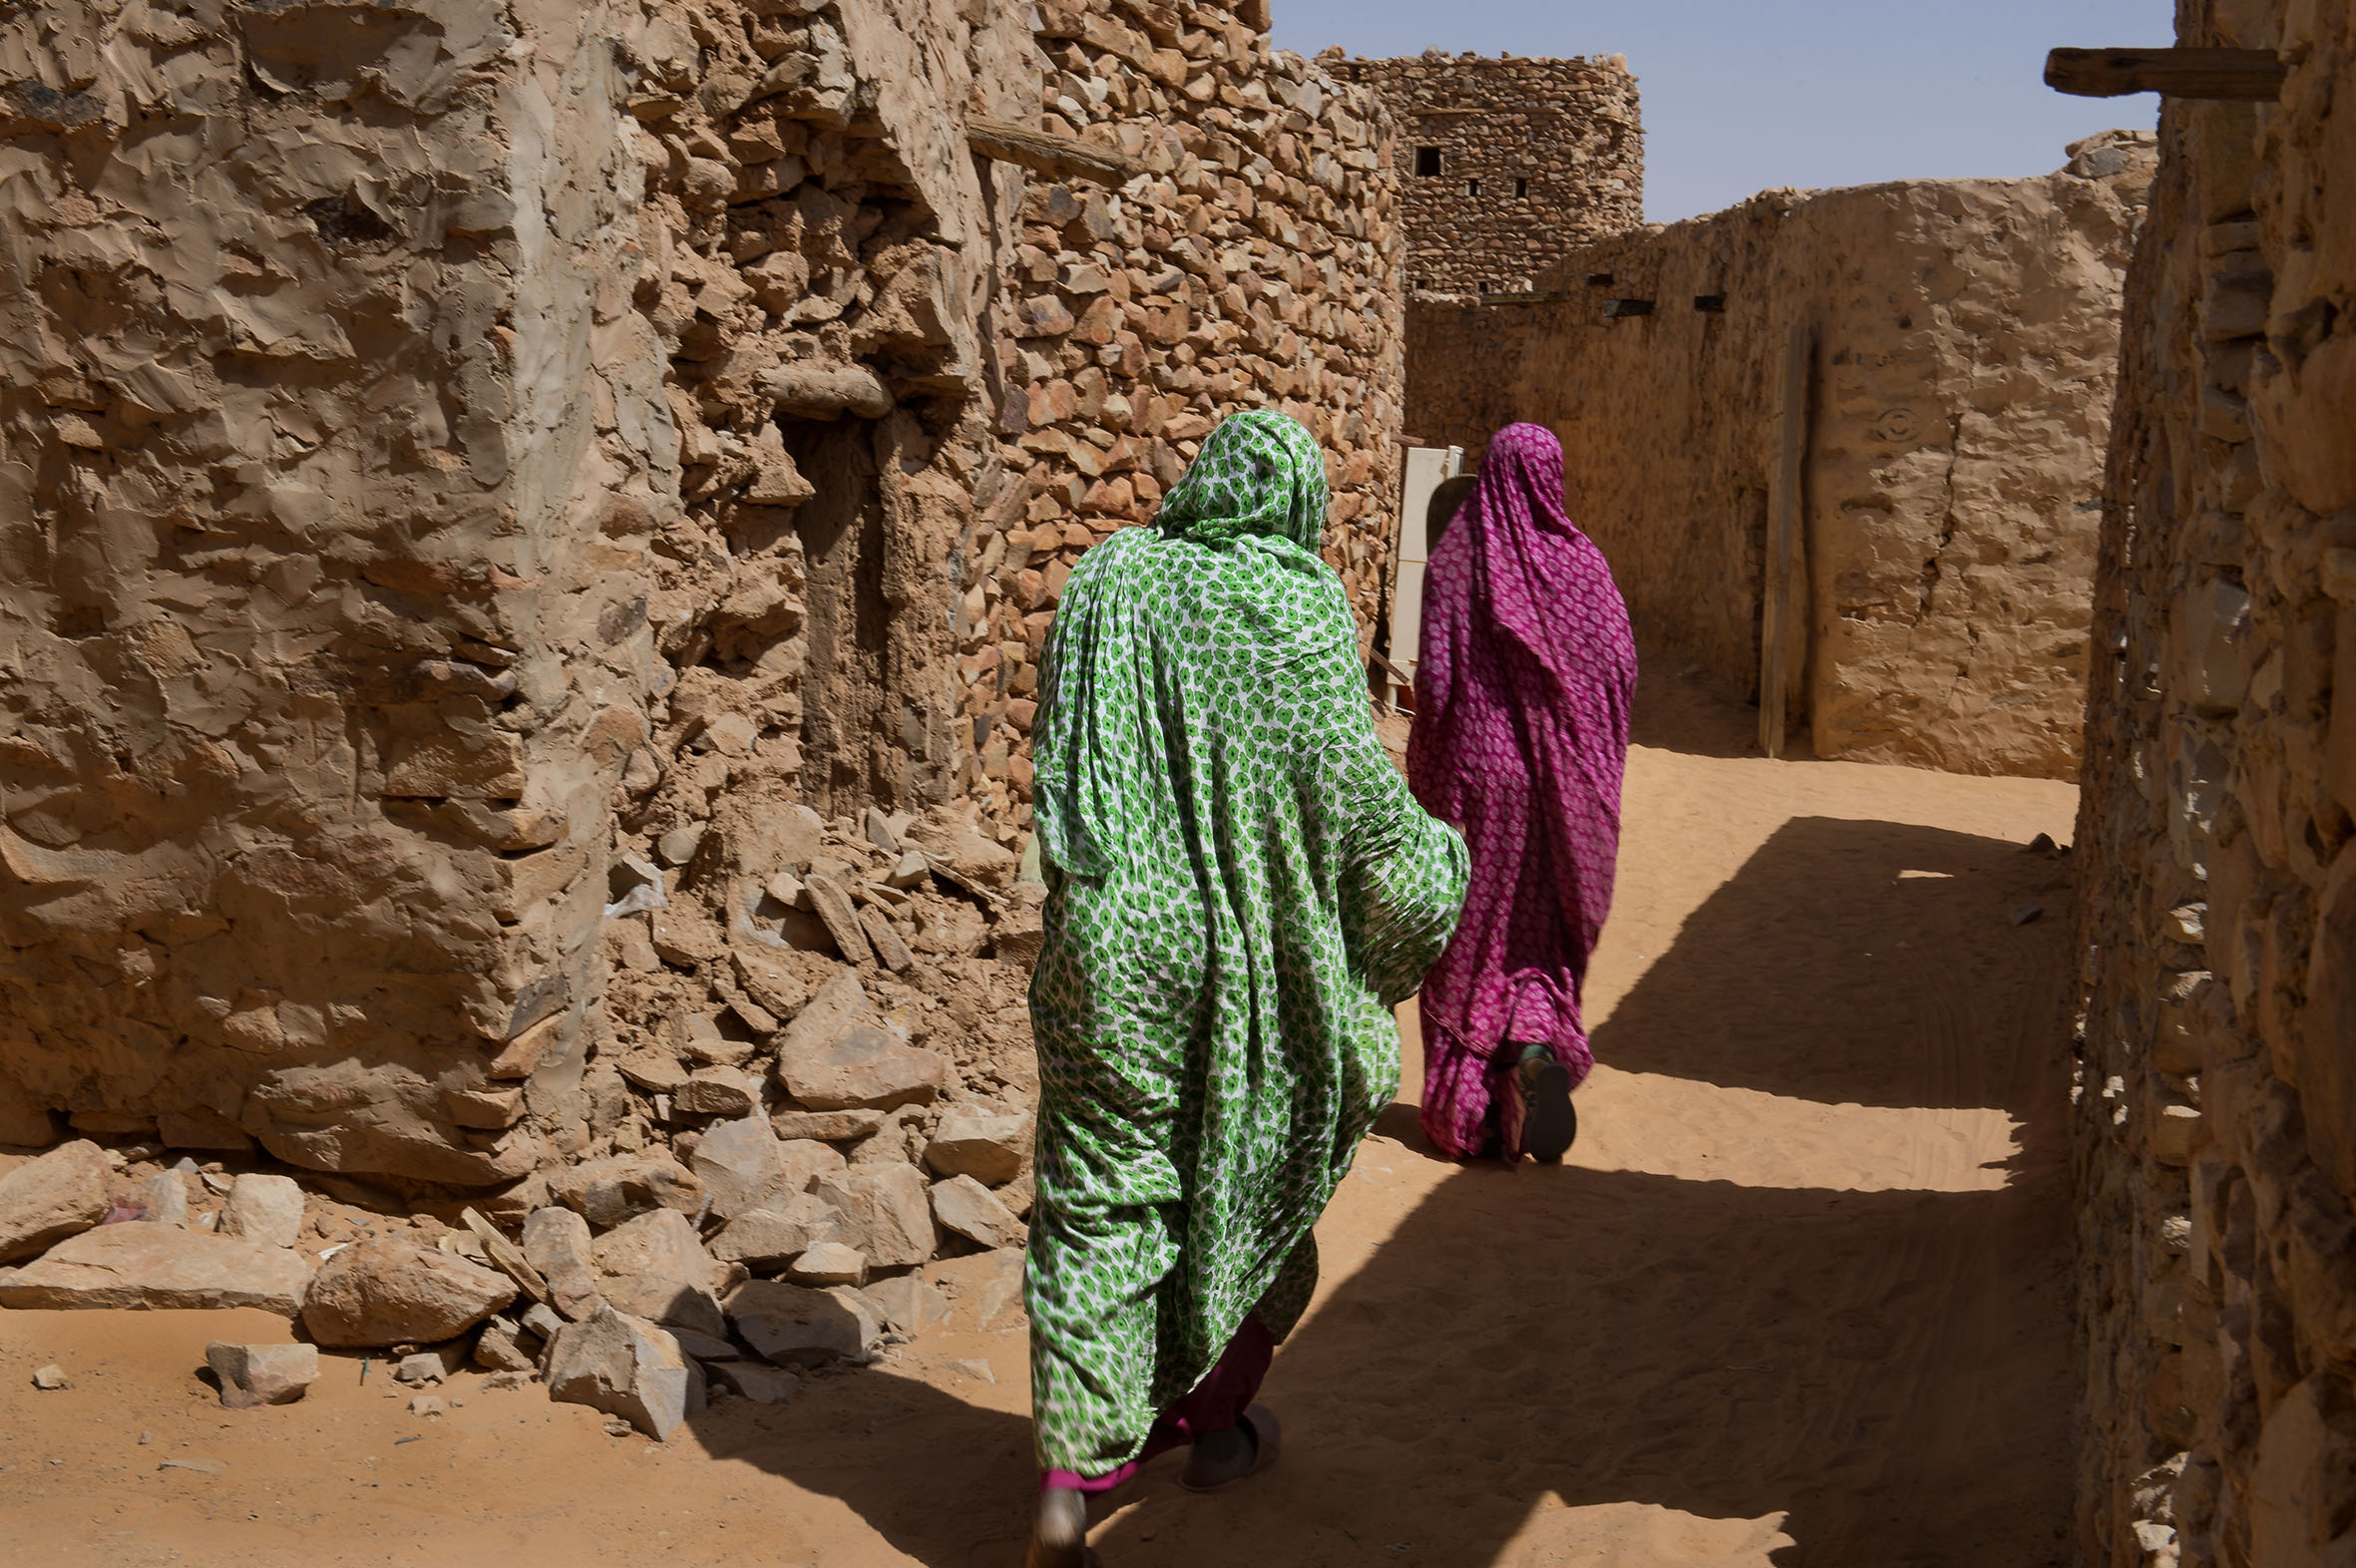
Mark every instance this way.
x=1880 y=1377
x=1883 y=1372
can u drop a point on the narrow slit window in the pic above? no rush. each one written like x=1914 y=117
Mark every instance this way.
x=1521 y=190
x=1473 y=187
x=1426 y=161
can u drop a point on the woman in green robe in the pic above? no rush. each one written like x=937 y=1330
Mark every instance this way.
x=1241 y=888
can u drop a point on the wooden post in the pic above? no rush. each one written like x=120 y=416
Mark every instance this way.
x=1056 y=157
x=2247 y=74
x=1782 y=565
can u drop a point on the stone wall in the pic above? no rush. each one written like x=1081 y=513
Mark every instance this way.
x=2216 y=1079
x=1964 y=343
x=483 y=495
x=305 y=505
x=1255 y=263
x=1505 y=162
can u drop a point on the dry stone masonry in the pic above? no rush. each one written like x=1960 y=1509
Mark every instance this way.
x=1506 y=161
x=1254 y=260
x=2216 y=1080
x=492 y=543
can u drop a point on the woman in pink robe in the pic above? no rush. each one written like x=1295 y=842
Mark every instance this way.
x=1526 y=669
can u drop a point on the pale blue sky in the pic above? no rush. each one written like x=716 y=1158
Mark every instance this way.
x=1741 y=95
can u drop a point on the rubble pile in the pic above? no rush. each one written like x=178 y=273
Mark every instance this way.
x=816 y=1080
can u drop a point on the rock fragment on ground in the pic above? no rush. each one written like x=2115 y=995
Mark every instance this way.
x=627 y=1368
x=662 y=1245
x=46 y=1200
x=556 y=1243
x=910 y=1304
x=829 y=1263
x=386 y=1291
x=888 y=1210
x=256 y=1374
x=864 y=1066
x=159 y=1266
x=49 y=1379
x=612 y=1190
x=740 y=1164
x=421 y=1369
x=992 y=1146
x=718 y=1091
x=966 y=1208
x=500 y=1347
x=655 y=1267
x=166 y=1198
x=799 y=1325
x=267 y=1209
x=834 y=1126
x=756 y=1381
x=773 y=1235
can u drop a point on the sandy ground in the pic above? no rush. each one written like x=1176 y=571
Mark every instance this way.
x=1798 y=1297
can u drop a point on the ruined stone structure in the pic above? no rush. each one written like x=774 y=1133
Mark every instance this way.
x=1963 y=347
x=1506 y=161
x=2216 y=1077
x=467 y=473
x=1257 y=262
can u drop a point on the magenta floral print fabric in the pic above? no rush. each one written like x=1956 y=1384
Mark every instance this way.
x=1526 y=673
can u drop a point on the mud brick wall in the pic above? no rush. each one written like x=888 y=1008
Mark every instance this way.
x=2216 y=1080
x=1464 y=356
x=1255 y=263
x=303 y=511
x=1506 y=161
x=1964 y=347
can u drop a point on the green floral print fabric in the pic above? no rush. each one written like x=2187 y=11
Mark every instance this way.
x=1241 y=888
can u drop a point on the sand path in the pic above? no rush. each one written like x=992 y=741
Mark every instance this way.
x=1798 y=1297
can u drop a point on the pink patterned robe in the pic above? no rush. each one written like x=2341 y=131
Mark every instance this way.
x=1527 y=671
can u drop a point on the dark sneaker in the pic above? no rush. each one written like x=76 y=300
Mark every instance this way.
x=1550 y=1123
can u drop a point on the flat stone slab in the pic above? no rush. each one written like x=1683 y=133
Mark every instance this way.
x=49 y=1199
x=139 y=1265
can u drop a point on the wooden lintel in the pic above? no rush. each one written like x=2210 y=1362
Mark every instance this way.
x=2247 y=74
x=1043 y=152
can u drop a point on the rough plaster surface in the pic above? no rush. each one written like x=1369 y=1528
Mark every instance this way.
x=458 y=468
x=294 y=484
x=1964 y=348
x=2216 y=1080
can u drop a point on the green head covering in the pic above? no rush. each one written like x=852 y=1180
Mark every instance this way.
x=1258 y=473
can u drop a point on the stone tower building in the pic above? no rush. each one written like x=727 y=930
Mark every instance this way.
x=1506 y=161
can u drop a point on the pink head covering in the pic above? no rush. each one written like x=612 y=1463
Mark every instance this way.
x=1527 y=671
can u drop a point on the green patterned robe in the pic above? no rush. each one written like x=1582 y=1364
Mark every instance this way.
x=1241 y=887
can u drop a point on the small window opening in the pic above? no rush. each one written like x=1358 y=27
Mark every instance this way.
x=1473 y=187
x=1521 y=190
x=1628 y=308
x=1714 y=304
x=1427 y=160
x=1600 y=280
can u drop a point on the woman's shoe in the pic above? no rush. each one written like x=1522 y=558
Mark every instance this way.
x=1549 y=1123
x=1059 y=1530
x=1220 y=1459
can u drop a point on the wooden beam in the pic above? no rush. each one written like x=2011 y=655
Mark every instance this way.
x=1780 y=612
x=2243 y=74
x=1058 y=156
